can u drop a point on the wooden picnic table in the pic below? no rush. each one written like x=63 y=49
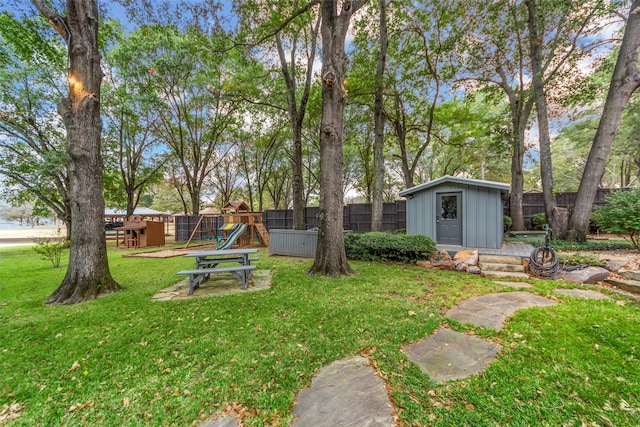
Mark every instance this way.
x=207 y=262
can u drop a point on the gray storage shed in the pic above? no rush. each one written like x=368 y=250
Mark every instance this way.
x=457 y=211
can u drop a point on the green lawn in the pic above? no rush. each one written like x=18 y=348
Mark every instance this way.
x=126 y=360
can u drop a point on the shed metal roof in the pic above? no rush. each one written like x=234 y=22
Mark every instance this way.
x=457 y=180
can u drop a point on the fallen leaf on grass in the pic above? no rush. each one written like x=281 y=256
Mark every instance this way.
x=10 y=412
x=624 y=406
x=79 y=406
x=75 y=366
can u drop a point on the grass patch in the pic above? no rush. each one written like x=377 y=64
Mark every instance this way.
x=126 y=360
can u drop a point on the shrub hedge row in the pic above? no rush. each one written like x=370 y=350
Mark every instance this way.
x=379 y=246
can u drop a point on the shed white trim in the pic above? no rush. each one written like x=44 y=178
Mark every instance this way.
x=458 y=180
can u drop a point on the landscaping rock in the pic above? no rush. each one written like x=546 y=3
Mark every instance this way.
x=460 y=265
x=626 y=285
x=449 y=355
x=474 y=270
x=440 y=257
x=589 y=275
x=612 y=266
x=424 y=264
x=630 y=274
x=445 y=265
x=468 y=256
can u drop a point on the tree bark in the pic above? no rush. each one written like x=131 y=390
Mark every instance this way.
x=331 y=258
x=544 y=139
x=88 y=274
x=521 y=105
x=624 y=82
x=378 y=118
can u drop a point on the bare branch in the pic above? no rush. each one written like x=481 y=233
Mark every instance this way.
x=58 y=23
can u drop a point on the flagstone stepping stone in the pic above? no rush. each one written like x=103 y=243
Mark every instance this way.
x=225 y=421
x=347 y=393
x=490 y=311
x=449 y=355
x=581 y=293
x=517 y=285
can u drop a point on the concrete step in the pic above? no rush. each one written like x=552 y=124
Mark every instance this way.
x=501 y=259
x=504 y=275
x=494 y=266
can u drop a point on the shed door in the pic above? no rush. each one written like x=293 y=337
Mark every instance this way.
x=449 y=218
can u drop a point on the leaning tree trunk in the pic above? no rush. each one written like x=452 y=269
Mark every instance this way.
x=624 y=82
x=331 y=259
x=88 y=274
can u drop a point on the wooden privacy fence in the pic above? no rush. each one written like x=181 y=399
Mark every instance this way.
x=356 y=217
x=533 y=203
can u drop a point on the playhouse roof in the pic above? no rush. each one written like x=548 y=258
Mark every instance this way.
x=235 y=206
x=209 y=210
x=457 y=180
x=138 y=211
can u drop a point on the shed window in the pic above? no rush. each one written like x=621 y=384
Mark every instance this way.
x=449 y=207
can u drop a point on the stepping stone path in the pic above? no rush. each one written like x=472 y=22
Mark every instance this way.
x=450 y=355
x=346 y=393
x=490 y=311
x=224 y=421
x=517 y=285
x=581 y=293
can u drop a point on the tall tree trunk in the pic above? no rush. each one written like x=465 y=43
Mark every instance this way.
x=517 y=186
x=521 y=105
x=331 y=259
x=296 y=118
x=624 y=82
x=88 y=274
x=544 y=139
x=378 y=116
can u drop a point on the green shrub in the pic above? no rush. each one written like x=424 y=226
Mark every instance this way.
x=507 y=221
x=621 y=215
x=538 y=221
x=377 y=246
x=50 y=248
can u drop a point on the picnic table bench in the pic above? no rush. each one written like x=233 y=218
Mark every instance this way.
x=207 y=263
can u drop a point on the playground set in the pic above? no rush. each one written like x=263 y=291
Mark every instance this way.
x=239 y=226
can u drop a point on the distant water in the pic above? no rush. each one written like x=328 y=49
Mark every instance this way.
x=6 y=223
